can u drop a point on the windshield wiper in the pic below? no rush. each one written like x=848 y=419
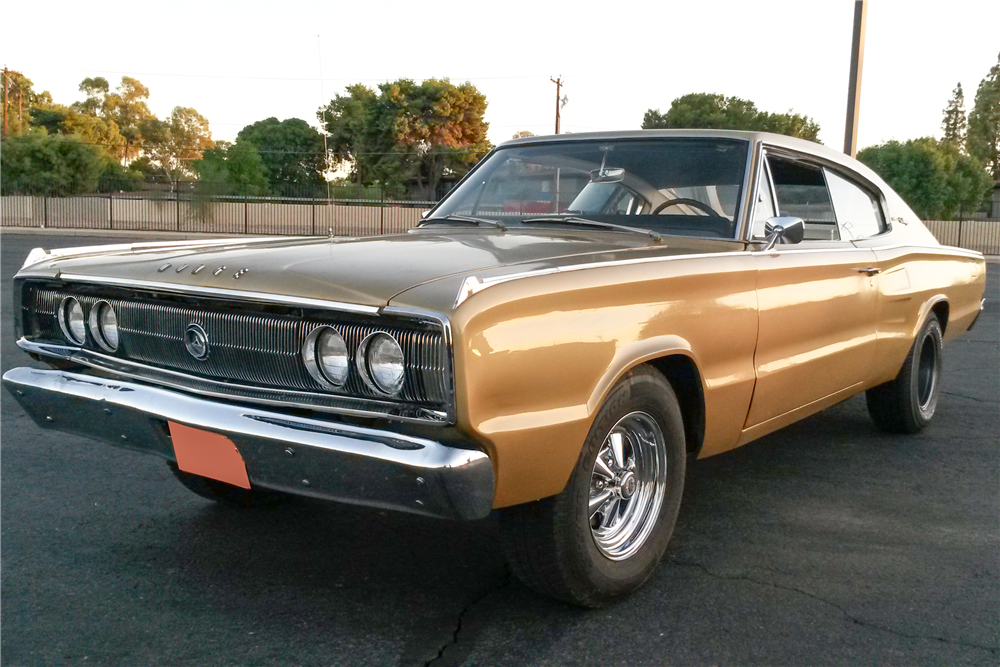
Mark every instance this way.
x=466 y=219
x=577 y=220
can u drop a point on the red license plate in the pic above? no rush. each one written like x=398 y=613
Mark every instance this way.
x=208 y=454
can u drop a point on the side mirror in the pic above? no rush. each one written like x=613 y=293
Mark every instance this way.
x=783 y=229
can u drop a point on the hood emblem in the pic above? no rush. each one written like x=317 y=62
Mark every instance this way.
x=196 y=341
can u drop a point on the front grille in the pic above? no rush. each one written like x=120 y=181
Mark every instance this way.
x=254 y=346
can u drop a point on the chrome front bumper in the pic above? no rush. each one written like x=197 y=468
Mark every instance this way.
x=294 y=454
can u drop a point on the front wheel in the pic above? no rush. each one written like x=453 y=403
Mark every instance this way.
x=907 y=403
x=604 y=535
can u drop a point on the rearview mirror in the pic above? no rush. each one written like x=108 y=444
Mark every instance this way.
x=783 y=229
x=603 y=175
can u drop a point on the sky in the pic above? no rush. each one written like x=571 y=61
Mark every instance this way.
x=617 y=58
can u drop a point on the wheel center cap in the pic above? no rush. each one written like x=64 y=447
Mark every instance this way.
x=628 y=485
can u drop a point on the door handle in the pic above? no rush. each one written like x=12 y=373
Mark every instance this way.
x=871 y=270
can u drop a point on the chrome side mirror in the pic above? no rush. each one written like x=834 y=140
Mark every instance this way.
x=783 y=229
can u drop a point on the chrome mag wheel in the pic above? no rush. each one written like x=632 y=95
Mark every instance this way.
x=627 y=485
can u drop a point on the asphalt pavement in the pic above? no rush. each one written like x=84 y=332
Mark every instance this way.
x=826 y=543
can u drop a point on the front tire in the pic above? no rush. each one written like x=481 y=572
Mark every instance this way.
x=604 y=535
x=907 y=403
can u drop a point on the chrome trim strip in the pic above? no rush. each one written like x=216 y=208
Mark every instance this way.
x=473 y=284
x=236 y=392
x=290 y=453
x=260 y=297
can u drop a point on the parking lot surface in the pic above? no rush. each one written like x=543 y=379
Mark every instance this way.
x=826 y=543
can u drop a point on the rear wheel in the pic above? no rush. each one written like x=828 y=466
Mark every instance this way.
x=603 y=536
x=907 y=403
x=226 y=494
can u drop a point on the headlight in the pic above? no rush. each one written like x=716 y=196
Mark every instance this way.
x=325 y=356
x=71 y=320
x=380 y=360
x=104 y=325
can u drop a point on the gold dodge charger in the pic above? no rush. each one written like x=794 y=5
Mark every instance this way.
x=580 y=316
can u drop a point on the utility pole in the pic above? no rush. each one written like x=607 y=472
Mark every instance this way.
x=6 y=99
x=854 y=84
x=559 y=101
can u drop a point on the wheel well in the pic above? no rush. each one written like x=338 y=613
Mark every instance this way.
x=683 y=375
x=941 y=310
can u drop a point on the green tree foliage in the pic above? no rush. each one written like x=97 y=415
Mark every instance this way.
x=232 y=169
x=713 y=111
x=39 y=164
x=408 y=135
x=344 y=120
x=172 y=145
x=984 y=122
x=954 y=123
x=20 y=99
x=936 y=179
x=291 y=150
x=58 y=119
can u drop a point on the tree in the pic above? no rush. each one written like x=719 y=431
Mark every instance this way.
x=59 y=119
x=984 y=122
x=714 y=111
x=232 y=168
x=954 y=123
x=176 y=142
x=125 y=107
x=408 y=134
x=39 y=164
x=935 y=178
x=291 y=151
x=19 y=100
x=344 y=120
x=523 y=134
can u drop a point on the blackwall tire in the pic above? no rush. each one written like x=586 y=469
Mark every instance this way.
x=565 y=548
x=907 y=403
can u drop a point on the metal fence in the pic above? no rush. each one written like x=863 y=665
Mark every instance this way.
x=186 y=207
x=341 y=211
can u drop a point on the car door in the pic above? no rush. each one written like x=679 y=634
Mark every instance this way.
x=817 y=302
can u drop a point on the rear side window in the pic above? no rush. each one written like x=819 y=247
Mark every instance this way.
x=858 y=213
x=801 y=191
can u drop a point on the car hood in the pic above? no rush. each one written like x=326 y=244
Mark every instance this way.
x=365 y=271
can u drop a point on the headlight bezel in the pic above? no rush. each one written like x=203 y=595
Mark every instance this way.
x=312 y=357
x=64 y=322
x=98 y=326
x=364 y=364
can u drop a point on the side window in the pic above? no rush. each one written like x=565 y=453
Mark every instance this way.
x=800 y=190
x=764 y=208
x=858 y=213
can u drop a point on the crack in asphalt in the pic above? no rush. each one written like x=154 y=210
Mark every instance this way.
x=971 y=398
x=461 y=616
x=849 y=617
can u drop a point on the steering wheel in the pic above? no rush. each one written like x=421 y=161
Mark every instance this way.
x=689 y=202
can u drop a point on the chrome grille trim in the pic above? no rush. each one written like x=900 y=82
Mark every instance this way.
x=254 y=356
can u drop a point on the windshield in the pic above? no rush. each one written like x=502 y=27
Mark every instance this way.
x=670 y=185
